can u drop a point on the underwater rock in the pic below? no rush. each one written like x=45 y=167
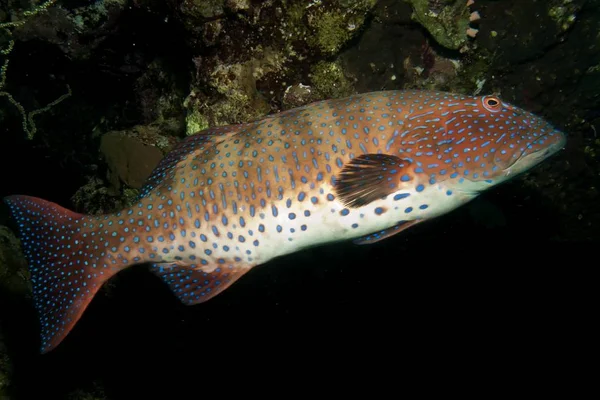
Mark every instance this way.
x=298 y=95
x=99 y=197
x=432 y=71
x=564 y=12
x=448 y=21
x=76 y=31
x=377 y=60
x=158 y=94
x=14 y=276
x=330 y=30
x=252 y=52
x=131 y=155
x=14 y=283
x=95 y=393
x=230 y=94
x=5 y=370
x=286 y=25
x=330 y=80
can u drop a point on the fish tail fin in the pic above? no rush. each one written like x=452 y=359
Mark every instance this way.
x=66 y=272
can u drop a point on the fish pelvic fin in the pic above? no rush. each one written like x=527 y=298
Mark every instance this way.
x=65 y=271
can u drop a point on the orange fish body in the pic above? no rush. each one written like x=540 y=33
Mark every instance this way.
x=230 y=198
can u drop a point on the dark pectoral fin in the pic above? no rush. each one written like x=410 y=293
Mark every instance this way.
x=370 y=177
x=194 y=284
x=386 y=233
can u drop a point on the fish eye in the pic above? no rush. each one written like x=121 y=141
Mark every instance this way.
x=492 y=103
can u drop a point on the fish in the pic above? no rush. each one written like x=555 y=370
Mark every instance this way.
x=227 y=199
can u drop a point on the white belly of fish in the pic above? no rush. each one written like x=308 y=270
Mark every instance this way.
x=298 y=227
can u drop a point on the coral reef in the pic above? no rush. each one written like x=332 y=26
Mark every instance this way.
x=330 y=80
x=130 y=156
x=24 y=22
x=76 y=31
x=448 y=21
x=96 y=393
x=145 y=73
x=159 y=95
x=564 y=12
x=14 y=283
x=14 y=277
x=5 y=370
x=263 y=49
x=99 y=197
x=299 y=95
x=234 y=96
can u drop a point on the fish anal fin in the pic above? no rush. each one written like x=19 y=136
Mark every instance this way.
x=370 y=177
x=386 y=233
x=195 y=284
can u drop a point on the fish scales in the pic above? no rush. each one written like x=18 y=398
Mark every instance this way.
x=230 y=198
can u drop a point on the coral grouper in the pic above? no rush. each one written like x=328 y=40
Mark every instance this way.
x=230 y=198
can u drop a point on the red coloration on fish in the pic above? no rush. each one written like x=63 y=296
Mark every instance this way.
x=227 y=199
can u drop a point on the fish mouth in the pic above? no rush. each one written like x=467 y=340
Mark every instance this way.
x=532 y=158
x=560 y=141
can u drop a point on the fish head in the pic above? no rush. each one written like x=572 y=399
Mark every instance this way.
x=489 y=141
x=525 y=141
x=445 y=150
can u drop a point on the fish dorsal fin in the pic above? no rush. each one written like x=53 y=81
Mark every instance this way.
x=194 y=284
x=183 y=149
x=370 y=177
x=386 y=233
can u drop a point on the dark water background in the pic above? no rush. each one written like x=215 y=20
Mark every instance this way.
x=506 y=280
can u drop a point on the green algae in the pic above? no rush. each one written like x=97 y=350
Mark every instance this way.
x=332 y=29
x=234 y=96
x=563 y=12
x=448 y=26
x=330 y=81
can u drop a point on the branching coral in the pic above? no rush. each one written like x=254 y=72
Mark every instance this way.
x=28 y=122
